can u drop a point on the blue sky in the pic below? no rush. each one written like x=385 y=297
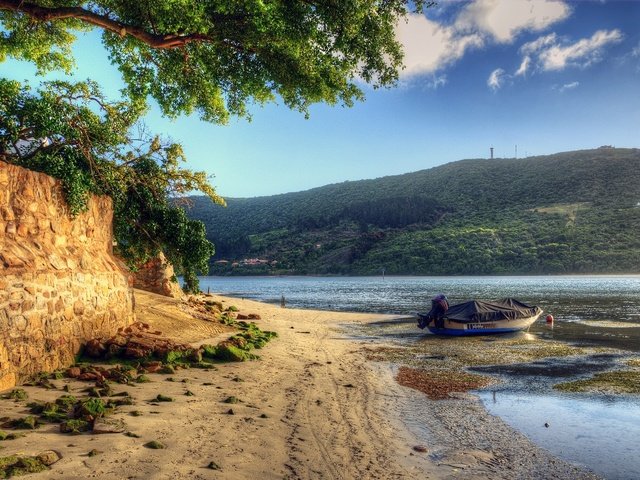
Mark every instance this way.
x=547 y=76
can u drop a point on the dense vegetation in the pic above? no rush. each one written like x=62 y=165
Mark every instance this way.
x=573 y=212
x=211 y=57
x=71 y=132
x=216 y=57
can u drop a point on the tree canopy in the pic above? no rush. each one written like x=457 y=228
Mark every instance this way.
x=215 y=57
x=71 y=132
x=210 y=57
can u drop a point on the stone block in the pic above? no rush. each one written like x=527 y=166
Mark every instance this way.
x=7 y=381
x=7 y=213
x=28 y=305
x=56 y=262
x=22 y=230
x=78 y=307
x=47 y=308
x=60 y=241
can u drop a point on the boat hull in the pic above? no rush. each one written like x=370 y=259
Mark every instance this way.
x=483 y=328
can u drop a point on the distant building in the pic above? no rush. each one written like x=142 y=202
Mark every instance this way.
x=252 y=262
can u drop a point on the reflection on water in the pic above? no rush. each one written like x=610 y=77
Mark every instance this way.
x=599 y=433
x=587 y=309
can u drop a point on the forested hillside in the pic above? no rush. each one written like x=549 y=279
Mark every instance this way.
x=572 y=212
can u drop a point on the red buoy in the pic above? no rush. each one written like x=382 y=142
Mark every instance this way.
x=549 y=318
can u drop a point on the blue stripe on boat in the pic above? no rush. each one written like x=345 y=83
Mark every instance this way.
x=482 y=331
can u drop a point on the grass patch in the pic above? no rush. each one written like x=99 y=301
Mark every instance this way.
x=13 y=466
x=16 y=394
x=154 y=444
x=607 y=382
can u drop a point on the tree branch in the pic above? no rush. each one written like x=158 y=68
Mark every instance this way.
x=49 y=14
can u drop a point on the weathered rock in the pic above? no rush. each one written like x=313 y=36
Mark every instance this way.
x=195 y=356
x=94 y=349
x=49 y=457
x=109 y=425
x=120 y=340
x=152 y=367
x=154 y=444
x=73 y=372
x=157 y=276
x=136 y=352
x=75 y=426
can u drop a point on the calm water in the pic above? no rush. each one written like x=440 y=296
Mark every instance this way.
x=572 y=297
x=602 y=310
x=598 y=432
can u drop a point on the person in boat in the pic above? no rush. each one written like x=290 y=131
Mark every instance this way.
x=439 y=307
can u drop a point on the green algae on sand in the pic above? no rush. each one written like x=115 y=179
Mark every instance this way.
x=617 y=382
x=13 y=466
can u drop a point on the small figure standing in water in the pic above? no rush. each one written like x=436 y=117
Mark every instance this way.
x=282 y=303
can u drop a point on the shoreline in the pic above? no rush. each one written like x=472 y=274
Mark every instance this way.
x=313 y=407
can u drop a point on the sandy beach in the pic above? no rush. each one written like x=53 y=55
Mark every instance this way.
x=312 y=407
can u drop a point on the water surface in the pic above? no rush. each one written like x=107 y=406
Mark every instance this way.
x=599 y=310
x=600 y=433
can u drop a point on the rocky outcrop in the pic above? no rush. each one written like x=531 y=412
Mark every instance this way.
x=157 y=276
x=60 y=284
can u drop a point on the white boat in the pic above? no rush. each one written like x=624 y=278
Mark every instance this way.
x=478 y=317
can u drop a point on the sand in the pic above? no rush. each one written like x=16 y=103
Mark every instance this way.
x=312 y=407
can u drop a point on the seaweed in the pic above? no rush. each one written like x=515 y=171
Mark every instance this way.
x=625 y=381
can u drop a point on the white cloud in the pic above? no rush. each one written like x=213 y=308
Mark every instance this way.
x=437 y=81
x=568 y=86
x=496 y=79
x=524 y=66
x=539 y=44
x=550 y=52
x=582 y=53
x=636 y=51
x=504 y=19
x=429 y=47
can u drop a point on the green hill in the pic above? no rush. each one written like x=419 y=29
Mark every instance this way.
x=572 y=212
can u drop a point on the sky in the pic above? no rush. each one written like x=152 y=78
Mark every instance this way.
x=526 y=77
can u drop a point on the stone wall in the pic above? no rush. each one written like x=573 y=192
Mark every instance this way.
x=157 y=276
x=60 y=284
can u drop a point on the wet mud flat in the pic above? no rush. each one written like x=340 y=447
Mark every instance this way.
x=568 y=397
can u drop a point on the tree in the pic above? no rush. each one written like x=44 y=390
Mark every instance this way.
x=213 y=57
x=217 y=56
x=71 y=132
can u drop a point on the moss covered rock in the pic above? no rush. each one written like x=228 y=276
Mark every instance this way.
x=154 y=444
x=13 y=466
x=75 y=426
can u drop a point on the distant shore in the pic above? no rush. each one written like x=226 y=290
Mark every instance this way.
x=313 y=406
